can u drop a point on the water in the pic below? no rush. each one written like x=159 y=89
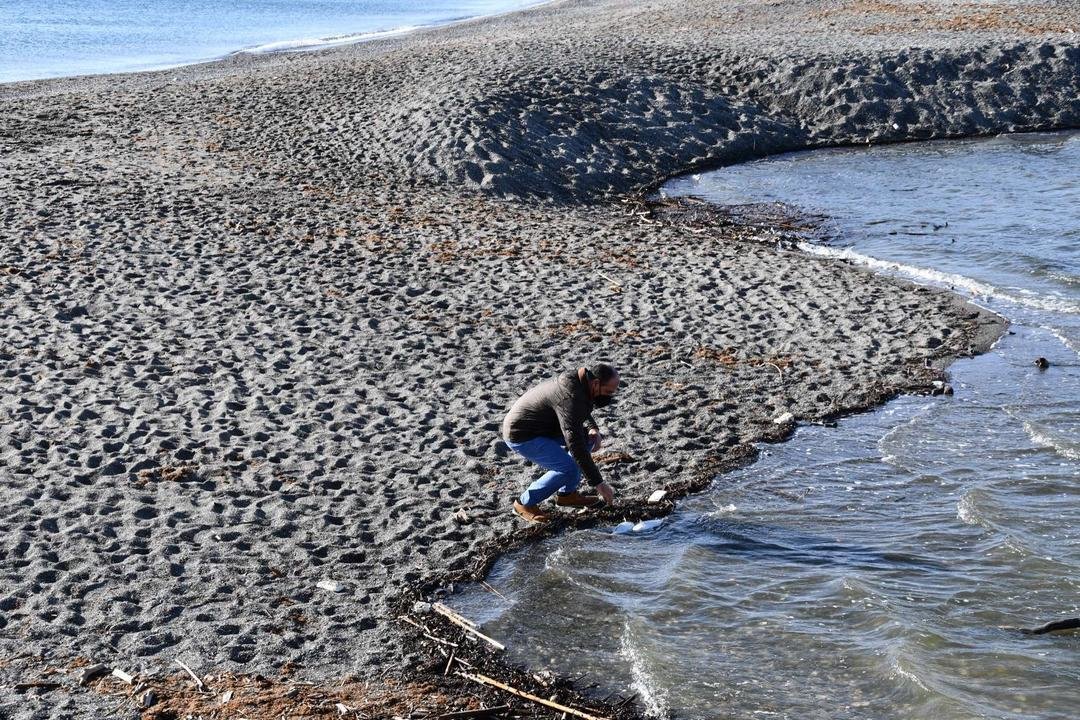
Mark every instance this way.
x=877 y=570
x=52 y=38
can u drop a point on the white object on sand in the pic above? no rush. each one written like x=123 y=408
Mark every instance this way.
x=627 y=526
x=123 y=676
x=93 y=671
x=331 y=585
x=784 y=419
x=657 y=496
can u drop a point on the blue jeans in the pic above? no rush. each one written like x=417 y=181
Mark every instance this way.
x=563 y=474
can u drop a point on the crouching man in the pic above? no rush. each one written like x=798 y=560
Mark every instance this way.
x=552 y=426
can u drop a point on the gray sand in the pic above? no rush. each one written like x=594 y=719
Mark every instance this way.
x=261 y=318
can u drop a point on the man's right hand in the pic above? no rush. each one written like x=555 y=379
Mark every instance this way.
x=606 y=493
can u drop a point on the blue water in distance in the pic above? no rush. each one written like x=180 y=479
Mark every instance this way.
x=52 y=38
x=879 y=569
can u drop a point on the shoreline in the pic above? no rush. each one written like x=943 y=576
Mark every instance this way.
x=264 y=322
x=275 y=47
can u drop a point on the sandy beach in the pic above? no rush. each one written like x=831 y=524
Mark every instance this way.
x=260 y=319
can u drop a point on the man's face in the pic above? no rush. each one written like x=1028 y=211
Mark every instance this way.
x=607 y=389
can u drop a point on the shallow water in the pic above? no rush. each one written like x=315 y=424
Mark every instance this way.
x=52 y=38
x=879 y=569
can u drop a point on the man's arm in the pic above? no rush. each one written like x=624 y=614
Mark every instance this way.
x=573 y=429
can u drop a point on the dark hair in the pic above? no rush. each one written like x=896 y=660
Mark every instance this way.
x=602 y=372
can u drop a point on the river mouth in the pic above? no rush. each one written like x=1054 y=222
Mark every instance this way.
x=881 y=568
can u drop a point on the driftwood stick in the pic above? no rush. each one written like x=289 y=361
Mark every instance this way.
x=198 y=681
x=483 y=680
x=418 y=626
x=439 y=640
x=481 y=713
x=123 y=676
x=466 y=625
x=613 y=283
x=452 y=614
x=40 y=684
x=493 y=590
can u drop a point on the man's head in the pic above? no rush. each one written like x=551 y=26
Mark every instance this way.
x=603 y=383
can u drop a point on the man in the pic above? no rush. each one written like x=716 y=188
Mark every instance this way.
x=547 y=426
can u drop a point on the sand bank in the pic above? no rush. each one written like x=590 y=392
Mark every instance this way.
x=261 y=318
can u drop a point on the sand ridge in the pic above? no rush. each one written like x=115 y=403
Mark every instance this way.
x=261 y=319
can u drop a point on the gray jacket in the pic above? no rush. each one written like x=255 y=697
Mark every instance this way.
x=558 y=409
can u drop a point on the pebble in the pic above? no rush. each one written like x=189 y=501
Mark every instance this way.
x=331 y=585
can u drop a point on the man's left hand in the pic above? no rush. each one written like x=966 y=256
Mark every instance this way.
x=595 y=439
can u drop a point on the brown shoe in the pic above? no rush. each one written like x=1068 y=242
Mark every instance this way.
x=576 y=499
x=531 y=513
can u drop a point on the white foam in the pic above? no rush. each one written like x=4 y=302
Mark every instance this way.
x=1065 y=340
x=911 y=677
x=1042 y=439
x=308 y=44
x=555 y=558
x=975 y=288
x=966 y=511
x=652 y=698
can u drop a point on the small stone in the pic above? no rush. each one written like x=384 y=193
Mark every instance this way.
x=330 y=585
x=148 y=699
x=421 y=608
x=1042 y=363
x=461 y=516
x=784 y=419
x=657 y=496
x=342 y=709
x=226 y=696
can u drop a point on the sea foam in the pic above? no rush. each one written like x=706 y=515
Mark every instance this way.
x=976 y=288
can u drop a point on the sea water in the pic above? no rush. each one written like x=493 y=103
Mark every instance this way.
x=51 y=38
x=879 y=569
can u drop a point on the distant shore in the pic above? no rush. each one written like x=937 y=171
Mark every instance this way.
x=262 y=317
x=81 y=42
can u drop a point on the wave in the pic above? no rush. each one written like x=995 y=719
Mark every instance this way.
x=899 y=671
x=973 y=287
x=1042 y=439
x=1064 y=339
x=305 y=44
x=652 y=698
x=967 y=511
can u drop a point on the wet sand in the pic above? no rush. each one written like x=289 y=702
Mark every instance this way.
x=262 y=318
